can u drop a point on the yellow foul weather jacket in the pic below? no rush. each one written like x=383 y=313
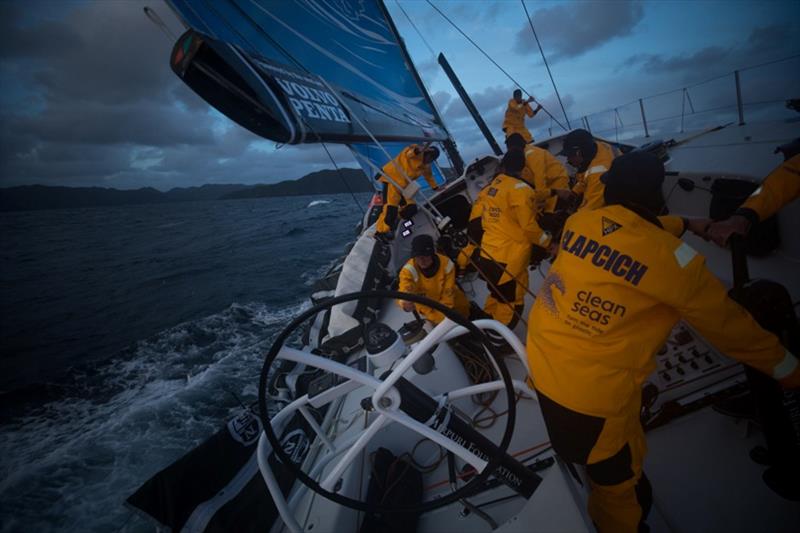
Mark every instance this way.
x=618 y=286
x=411 y=165
x=508 y=216
x=779 y=188
x=440 y=287
x=514 y=120
x=408 y=165
x=544 y=172
x=588 y=182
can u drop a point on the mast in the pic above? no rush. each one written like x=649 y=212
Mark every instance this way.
x=449 y=144
x=470 y=106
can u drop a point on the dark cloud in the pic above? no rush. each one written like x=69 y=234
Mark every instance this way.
x=574 y=28
x=763 y=43
x=659 y=64
x=89 y=99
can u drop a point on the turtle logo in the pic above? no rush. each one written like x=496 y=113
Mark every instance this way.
x=546 y=294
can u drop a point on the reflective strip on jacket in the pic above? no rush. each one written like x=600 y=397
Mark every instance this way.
x=779 y=188
x=544 y=172
x=588 y=182
x=440 y=287
x=617 y=287
x=411 y=165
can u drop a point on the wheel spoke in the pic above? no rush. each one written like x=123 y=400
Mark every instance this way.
x=332 y=478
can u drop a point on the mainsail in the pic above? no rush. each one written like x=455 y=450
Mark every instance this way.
x=306 y=71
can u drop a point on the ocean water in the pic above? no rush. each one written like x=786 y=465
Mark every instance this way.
x=129 y=334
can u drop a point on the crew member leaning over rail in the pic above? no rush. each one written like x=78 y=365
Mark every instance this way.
x=616 y=289
x=412 y=162
x=432 y=275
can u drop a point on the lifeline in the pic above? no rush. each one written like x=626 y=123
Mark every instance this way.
x=611 y=260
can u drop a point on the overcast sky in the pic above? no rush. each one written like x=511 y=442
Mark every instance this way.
x=88 y=99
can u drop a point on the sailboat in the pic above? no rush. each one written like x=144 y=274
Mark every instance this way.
x=367 y=421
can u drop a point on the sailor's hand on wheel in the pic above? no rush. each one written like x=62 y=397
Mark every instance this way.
x=720 y=232
x=699 y=226
x=407 y=307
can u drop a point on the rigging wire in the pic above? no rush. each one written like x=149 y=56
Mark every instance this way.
x=547 y=66
x=344 y=181
x=421 y=36
x=289 y=56
x=493 y=61
x=433 y=56
x=156 y=19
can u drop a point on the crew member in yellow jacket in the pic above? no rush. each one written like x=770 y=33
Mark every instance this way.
x=542 y=171
x=508 y=220
x=778 y=189
x=433 y=276
x=412 y=162
x=591 y=159
x=617 y=287
x=517 y=110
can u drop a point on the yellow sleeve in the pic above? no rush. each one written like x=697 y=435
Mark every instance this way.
x=535 y=165
x=528 y=110
x=477 y=209
x=673 y=224
x=779 y=188
x=428 y=174
x=449 y=289
x=700 y=298
x=522 y=204
x=556 y=176
x=407 y=281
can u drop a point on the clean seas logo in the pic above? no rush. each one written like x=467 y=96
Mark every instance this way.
x=609 y=226
x=553 y=280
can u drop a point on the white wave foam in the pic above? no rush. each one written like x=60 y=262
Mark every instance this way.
x=73 y=462
x=309 y=277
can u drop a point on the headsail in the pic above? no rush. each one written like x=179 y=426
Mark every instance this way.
x=304 y=71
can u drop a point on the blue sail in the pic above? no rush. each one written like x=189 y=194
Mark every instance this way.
x=304 y=71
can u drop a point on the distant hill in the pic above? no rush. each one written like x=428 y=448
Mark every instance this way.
x=321 y=182
x=31 y=197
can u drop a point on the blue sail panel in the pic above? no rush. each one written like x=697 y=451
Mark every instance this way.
x=287 y=60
